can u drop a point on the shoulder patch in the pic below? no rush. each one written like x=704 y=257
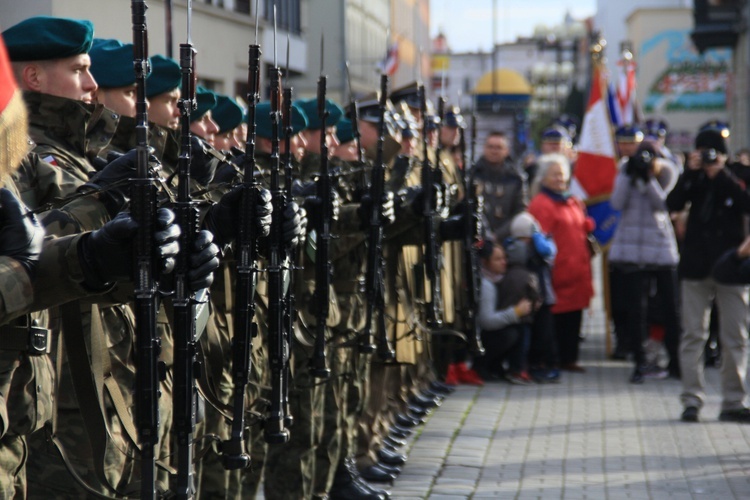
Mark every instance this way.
x=51 y=160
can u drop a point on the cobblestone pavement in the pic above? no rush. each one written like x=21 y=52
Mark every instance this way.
x=594 y=435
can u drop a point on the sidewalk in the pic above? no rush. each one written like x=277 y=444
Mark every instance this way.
x=592 y=436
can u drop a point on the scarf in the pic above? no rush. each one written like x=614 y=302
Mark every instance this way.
x=559 y=197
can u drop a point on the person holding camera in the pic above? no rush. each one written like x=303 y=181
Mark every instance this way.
x=644 y=251
x=714 y=226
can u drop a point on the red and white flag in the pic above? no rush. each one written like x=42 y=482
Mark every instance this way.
x=389 y=65
x=626 y=91
x=596 y=166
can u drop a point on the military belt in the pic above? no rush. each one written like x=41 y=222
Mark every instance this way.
x=31 y=339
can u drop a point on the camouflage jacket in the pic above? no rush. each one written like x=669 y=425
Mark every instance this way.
x=68 y=133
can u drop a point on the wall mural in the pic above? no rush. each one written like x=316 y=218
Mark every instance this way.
x=691 y=81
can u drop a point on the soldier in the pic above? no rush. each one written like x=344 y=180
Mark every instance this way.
x=27 y=386
x=229 y=116
x=163 y=92
x=201 y=122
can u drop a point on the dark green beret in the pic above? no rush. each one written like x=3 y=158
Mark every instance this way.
x=112 y=63
x=43 y=38
x=344 y=131
x=206 y=102
x=263 y=120
x=165 y=76
x=310 y=107
x=227 y=114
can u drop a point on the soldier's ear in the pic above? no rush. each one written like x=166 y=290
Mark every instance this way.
x=33 y=77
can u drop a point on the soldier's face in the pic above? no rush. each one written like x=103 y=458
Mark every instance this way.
x=449 y=136
x=496 y=149
x=346 y=151
x=548 y=147
x=69 y=77
x=299 y=146
x=120 y=100
x=163 y=109
x=223 y=142
x=240 y=135
x=408 y=145
x=368 y=134
x=205 y=128
x=312 y=140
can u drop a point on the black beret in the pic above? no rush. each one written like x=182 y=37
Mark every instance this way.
x=206 y=100
x=165 y=76
x=310 y=108
x=227 y=114
x=711 y=139
x=628 y=133
x=263 y=120
x=112 y=63
x=43 y=38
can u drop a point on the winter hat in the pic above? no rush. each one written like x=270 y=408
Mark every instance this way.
x=524 y=225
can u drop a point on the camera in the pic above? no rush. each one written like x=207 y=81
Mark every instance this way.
x=639 y=165
x=709 y=156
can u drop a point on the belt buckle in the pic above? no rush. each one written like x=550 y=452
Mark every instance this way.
x=38 y=341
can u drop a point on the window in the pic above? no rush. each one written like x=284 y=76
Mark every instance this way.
x=242 y=6
x=287 y=14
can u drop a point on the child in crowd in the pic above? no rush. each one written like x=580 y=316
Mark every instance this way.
x=506 y=305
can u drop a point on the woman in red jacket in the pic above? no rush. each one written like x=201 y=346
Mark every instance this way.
x=564 y=218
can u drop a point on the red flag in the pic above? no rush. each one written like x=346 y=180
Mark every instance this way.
x=596 y=167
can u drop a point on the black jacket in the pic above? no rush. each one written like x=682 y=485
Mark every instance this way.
x=504 y=191
x=715 y=221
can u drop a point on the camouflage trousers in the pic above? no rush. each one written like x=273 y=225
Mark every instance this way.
x=290 y=467
x=51 y=478
x=13 y=453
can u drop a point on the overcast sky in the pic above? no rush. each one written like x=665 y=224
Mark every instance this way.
x=468 y=23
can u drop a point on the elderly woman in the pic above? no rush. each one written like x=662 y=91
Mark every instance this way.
x=644 y=250
x=563 y=217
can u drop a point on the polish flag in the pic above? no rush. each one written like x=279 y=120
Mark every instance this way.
x=596 y=166
x=390 y=64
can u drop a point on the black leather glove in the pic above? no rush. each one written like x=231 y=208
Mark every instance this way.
x=120 y=167
x=453 y=228
x=387 y=209
x=312 y=204
x=107 y=254
x=204 y=260
x=223 y=218
x=202 y=163
x=226 y=173
x=21 y=235
x=295 y=224
x=412 y=199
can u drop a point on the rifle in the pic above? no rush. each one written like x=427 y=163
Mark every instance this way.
x=432 y=250
x=323 y=268
x=185 y=397
x=290 y=308
x=472 y=280
x=375 y=283
x=143 y=210
x=233 y=449
x=354 y=116
x=275 y=432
